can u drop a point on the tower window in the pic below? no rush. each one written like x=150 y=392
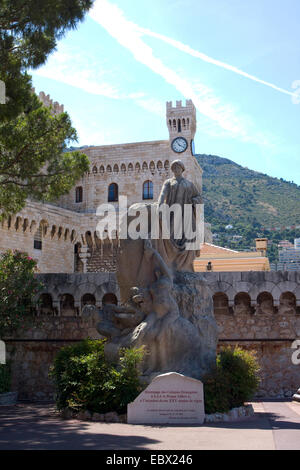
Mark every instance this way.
x=78 y=194
x=37 y=241
x=113 y=192
x=179 y=125
x=148 y=190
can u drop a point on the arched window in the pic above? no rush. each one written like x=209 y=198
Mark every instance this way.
x=174 y=124
x=137 y=167
x=220 y=301
x=25 y=225
x=183 y=123
x=145 y=166
x=37 y=241
x=113 y=192
x=242 y=303
x=78 y=194
x=167 y=165
x=88 y=299
x=67 y=307
x=287 y=303
x=102 y=169
x=130 y=167
x=179 y=125
x=265 y=302
x=148 y=190
x=89 y=239
x=78 y=264
x=123 y=168
x=45 y=305
x=159 y=165
x=95 y=169
x=108 y=169
x=116 y=168
x=109 y=299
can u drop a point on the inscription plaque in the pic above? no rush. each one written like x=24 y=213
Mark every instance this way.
x=171 y=398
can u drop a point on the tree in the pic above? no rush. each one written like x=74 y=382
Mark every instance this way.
x=29 y=31
x=18 y=290
x=33 y=158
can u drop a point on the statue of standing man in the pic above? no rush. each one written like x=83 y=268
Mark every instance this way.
x=183 y=193
x=177 y=251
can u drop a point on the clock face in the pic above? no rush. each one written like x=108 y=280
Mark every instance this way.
x=179 y=144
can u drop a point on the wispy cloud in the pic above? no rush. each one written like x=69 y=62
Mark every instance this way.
x=129 y=35
x=68 y=65
x=200 y=55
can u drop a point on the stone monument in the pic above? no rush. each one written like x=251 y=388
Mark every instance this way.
x=165 y=306
x=170 y=399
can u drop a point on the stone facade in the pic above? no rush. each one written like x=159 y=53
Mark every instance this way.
x=67 y=229
x=267 y=325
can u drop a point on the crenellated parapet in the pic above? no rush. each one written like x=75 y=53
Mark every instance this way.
x=56 y=107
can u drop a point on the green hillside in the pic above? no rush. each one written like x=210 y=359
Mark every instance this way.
x=249 y=201
x=233 y=193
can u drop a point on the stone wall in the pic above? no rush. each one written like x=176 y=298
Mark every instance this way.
x=33 y=356
x=258 y=311
x=55 y=228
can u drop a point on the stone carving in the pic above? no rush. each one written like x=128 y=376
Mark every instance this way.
x=167 y=310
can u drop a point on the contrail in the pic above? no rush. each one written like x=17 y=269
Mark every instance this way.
x=188 y=50
x=130 y=36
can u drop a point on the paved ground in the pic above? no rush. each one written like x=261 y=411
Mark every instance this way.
x=276 y=425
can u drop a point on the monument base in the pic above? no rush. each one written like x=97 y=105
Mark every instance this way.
x=170 y=398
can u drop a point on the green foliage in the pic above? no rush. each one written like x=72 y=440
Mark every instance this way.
x=235 y=194
x=5 y=378
x=233 y=382
x=85 y=380
x=18 y=288
x=250 y=201
x=33 y=161
x=29 y=32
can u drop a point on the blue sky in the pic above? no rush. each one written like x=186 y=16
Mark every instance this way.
x=238 y=60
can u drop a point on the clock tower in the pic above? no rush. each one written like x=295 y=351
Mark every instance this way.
x=181 y=122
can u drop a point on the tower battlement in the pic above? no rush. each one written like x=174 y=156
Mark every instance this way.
x=57 y=108
x=181 y=119
x=189 y=105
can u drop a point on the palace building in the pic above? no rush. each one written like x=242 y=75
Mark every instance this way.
x=62 y=237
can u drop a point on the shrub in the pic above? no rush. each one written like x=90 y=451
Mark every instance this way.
x=233 y=381
x=5 y=378
x=85 y=380
x=18 y=287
